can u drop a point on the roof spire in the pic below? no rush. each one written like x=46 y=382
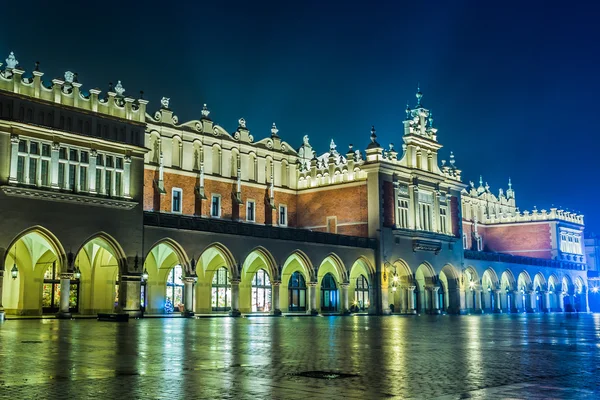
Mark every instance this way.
x=407 y=111
x=419 y=95
x=509 y=183
x=373 y=135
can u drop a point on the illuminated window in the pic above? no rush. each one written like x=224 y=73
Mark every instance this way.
x=329 y=294
x=361 y=293
x=215 y=209
x=403 y=213
x=297 y=292
x=174 y=294
x=221 y=290
x=250 y=208
x=176 y=198
x=443 y=226
x=283 y=215
x=261 y=292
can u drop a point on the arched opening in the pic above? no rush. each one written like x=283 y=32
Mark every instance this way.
x=553 y=300
x=360 y=291
x=539 y=288
x=261 y=292
x=296 y=292
x=31 y=254
x=329 y=294
x=216 y=275
x=449 y=292
x=166 y=265
x=472 y=291
x=99 y=260
x=425 y=283
x=401 y=289
x=296 y=273
x=216 y=160
x=176 y=152
x=361 y=294
x=524 y=300
x=490 y=286
x=507 y=290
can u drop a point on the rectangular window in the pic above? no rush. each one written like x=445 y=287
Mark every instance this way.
x=73 y=156
x=108 y=183
x=62 y=153
x=250 y=206
x=22 y=146
x=215 y=210
x=83 y=179
x=119 y=163
x=425 y=211
x=61 y=175
x=34 y=148
x=33 y=171
x=118 y=180
x=176 y=196
x=99 y=180
x=403 y=213
x=109 y=162
x=21 y=169
x=72 y=176
x=85 y=157
x=443 y=220
x=283 y=215
x=45 y=173
x=100 y=160
x=45 y=150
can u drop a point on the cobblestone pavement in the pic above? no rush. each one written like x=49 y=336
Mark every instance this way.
x=446 y=357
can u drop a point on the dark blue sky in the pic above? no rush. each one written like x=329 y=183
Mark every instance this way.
x=513 y=86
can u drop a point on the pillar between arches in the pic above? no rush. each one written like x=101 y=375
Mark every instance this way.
x=530 y=299
x=546 y=301
x=188 y=287
x=344 y=299
x=65 y=290
x=561 y=301
x=498 y=301
x=275 y=288
x=513 y=304
x=312 y=297
x=410 y=291
x=235 y=298
x=436 y=300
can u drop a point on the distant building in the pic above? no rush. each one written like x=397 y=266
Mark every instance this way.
x=108 y=207
x=592 y=254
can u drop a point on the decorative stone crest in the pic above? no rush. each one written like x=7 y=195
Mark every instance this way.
x=69 y=76
x=164 y=102
x=11 y=61
x=205 y=111
x=274 y=130
x=332 y=146
x=119 y=88
x=242 y=123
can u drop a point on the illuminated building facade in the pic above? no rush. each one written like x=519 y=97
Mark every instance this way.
x=109 y=207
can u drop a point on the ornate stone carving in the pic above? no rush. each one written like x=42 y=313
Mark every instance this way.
x=425 y=245
x=205 y=111
x=242 y=123
x=11 y=61
x=119 y=88
x=69 y=76
x=274 y=130
x=164 y=102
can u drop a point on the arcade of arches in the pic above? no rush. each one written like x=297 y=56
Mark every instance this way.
x=51 y=281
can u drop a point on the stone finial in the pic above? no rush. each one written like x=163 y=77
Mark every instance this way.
x=205 y=111
x=305 y=140
x=430 y=119
x=119 y=88
x=509 y=183
x=350 y=147
x=419 y=95
x=443 y=163
x=391 y=146
x=407 y=111
x=274 y=130
x=373 y=135
x=69 y=76
x=357 y=156
x=242 y=123
x=452 y=161
x=11 y=61
x=487 y=187
x=164 y=102
x=332 y=146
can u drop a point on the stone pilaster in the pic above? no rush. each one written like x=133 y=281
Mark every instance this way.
x=275 y=288
x=344 y=303
x=410 y=291
x=312 y=297
x=498 y=301
x=235 y=298
x=65 y=290
x=188 y=287
x=436 y=300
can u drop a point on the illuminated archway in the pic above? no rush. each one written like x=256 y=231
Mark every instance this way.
x=332 y=274
x=449 y=292
x=471 y=289
x=525 y=288
x=399 y=285
x=296 y=274
x=489 y=284
x=258 y=272
x=425 y=282
x=360 y=291
x=508 y=286
x=213 y=290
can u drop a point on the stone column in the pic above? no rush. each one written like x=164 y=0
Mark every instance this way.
x=515 y=296
x=130 y=292
x=411 y=299
x=530 y=301
x=477 y=305
x=235 y=298
x=14 y=157
x=436 y=300
x=498 y=302
x=54 y=165
x=65 y=290
x=312 y=296
x=127 y=177
x=188 y=287
x=1 y=286
x=275 y=288
x=547 y=307
x=585 y=305
x=92 y=172
x=561 y=301
x=344 y=307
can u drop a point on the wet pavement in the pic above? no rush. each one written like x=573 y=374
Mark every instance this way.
x=447 y=357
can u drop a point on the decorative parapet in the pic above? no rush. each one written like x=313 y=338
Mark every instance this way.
x=535 y=215
x=164 y=220
x=67 y=91
x=512 y=259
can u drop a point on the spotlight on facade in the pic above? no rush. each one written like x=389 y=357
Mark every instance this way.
x=145 y=274
x=393 y=288
x=14 y=271
x=595 y=289
x=77 y=273
x=471 y=284
x=395 y=277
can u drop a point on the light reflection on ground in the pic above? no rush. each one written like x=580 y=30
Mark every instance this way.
x=516 y=356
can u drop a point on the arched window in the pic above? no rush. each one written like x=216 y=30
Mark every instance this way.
x=284 y=173
x=176 y=152
x=479 y=243
x=361 y=293
x=51 y=292
x=221 y=290
x=297 y=292
x=216 y=160
x=261 y=292
x=441 y=297
x=329 y=294
x=174 y=297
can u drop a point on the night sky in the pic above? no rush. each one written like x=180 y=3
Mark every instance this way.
x=512 y=86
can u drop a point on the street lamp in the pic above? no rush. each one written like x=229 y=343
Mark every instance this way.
x=145 y=274
x=595 y=289
x=14 y=271
x=77 y=273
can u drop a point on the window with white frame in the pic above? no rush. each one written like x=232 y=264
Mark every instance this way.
x=466 y=241
x=403 y=213
x=282 y=215
x=570 y=243
x=479 y=243
x=250 y=210
x=33 y=163
x=425 y=205
x=443 y=220
x=215 y=208
x=176 y=200
x=109 y=175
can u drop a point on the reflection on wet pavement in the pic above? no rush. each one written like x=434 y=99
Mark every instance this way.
x=489 y=356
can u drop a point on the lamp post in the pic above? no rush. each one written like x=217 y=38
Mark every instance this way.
x=395 y=281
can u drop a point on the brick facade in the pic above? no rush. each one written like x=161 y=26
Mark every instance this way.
x=526 y=239
x=388 y=204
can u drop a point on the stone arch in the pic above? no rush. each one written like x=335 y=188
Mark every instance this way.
x=508 y=287
x=331 y=264
x=113 y=245
x=425 y=281
x=32 y=251
x=212 y=258
x=361 y=268
x=553 y=293
x=507 y=280
x=297 y=261
x=539 y=282
x=338 y=265
x=489 y=285
x=399 y=287
x=163 y=256
x=449 y=280
x=524 y=281
x=258 y=259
